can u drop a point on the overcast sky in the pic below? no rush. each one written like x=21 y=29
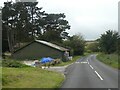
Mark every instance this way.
x=88 y=17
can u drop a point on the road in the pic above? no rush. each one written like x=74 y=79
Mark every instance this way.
x=88 y=72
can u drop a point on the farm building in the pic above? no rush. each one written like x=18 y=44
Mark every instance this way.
x=38 y=49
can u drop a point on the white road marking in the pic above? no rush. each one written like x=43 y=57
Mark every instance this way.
x=77 y=62
x=88 y=62
x=99 y=75
x=91 y=67
x=84 y=62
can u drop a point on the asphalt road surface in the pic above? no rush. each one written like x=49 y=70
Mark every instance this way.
x=88 y=72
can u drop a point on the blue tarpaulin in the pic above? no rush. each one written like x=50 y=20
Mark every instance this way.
x=45 y=60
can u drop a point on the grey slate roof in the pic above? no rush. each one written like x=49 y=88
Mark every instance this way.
x=47 y=44
x=52 y=45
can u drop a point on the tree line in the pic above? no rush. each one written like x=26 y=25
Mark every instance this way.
x=24 y=22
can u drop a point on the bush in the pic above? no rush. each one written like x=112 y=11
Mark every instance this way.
x=13 y=63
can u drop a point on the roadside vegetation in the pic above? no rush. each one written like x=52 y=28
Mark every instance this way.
x=13 y=63
x=109 y=48
x=109 y=44
x=30 y=78
x=0 y=76
x=15 y=76
x=109 y=59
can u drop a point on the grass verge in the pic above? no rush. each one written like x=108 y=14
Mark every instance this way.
x=30 y=77
x=0 y=78
x=109 y=59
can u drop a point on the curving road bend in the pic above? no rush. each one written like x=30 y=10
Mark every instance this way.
x=88 y=72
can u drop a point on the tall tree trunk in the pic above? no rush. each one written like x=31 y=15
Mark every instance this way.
x=8 y=38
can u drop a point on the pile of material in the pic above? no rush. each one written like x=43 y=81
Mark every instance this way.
x=46 y=60
x=43 y=62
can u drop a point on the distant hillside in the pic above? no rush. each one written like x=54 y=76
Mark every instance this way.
x=90 y=41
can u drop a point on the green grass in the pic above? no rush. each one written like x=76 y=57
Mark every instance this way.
x=0 y=74
x=12 y=63
x=109 y=59
x=0 y=77
x=30 y=77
